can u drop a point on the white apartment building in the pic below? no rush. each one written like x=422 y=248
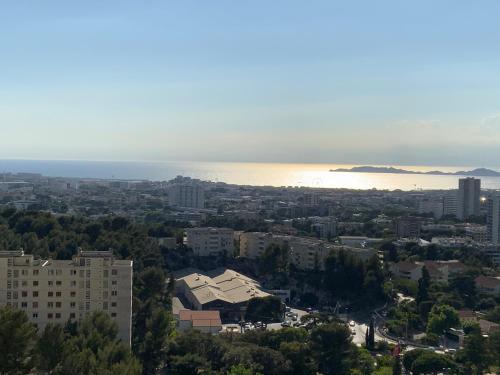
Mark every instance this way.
x=57 y=291
x=253 y=244
x=210 y=241
x=304 y=253
x=187 y=195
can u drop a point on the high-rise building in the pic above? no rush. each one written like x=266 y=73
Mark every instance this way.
x=493 y=220
x=58 y=291
x=187 y=195
x=450 y=204
x=468 y=202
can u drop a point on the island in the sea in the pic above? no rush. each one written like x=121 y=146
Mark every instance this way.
x=478 y=172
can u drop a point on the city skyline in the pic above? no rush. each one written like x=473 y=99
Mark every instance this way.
x=325 y=82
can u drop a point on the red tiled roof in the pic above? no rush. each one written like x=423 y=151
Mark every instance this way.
x=199 y=315
x=488 y=281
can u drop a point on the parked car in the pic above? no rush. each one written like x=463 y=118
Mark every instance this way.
x=286 y=323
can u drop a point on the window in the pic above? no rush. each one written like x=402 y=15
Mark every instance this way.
x=72 y=272
x=35 y=315
x=113 y=304
x=72 y=315
x=24 y=283
x=50 y=272
x=58 y=272
x=88 y=273
x=58 y=315
x=105 y=294
x=73 y=283
x=50 y=316
x=35 y=282
x=114 y=272
x=16 y=273
x=50 y=305
x=73 y=294
x=113 y=315
x=114 y=293
x=114 y=282
x=24 y=272
x=50 y=294
x=50 y=283
x=82 y=273
x=58 y=294
x=58 y=305
x=72 y=305
x=24 y=294
x=24 y=305
x=35 y=305
x=35 y=293
x=58 y=282
x=104 y=305
x=35 y=272
x=105 y=273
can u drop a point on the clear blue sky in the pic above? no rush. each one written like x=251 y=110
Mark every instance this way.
x=388 y=82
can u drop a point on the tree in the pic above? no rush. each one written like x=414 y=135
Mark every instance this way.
x=274 y=259
x=153 y=348
x=331 y=345
x=441 y=318
x=430 y=363
x=96 y=350
x=240 y=370
x=266 y=309
x=371 y=334
x=396 y=367
x=17 y=342
x=475 y=351
x=423 y=286
x=50 y=348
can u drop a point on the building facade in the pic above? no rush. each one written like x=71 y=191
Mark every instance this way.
x=58 y=291
x=493 y=220
x=210 y=241
x=187 y=195
x=468 y=199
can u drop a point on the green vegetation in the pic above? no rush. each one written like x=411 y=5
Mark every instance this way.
x=93 y=348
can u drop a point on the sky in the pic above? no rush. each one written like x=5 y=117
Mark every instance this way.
x=361 y=82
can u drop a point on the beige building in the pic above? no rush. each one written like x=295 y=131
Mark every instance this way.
x=57 y=291
x=439 y=271
x=488 y=284
x=221 y=289
x=203 y=321
x=210 y=241
x=253 y=244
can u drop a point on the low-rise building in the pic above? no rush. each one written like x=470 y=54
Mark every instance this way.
x=439 y=271
x=204 y=321
x=488 y=284
x=224 y=290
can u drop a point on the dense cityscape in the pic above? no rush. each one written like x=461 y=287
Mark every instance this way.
x=195 y=276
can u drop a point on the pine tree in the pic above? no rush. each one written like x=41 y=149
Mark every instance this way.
x=371 y=334
x=396 y=367
x=423 y=286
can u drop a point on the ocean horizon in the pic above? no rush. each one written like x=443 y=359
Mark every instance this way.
x=246 y=173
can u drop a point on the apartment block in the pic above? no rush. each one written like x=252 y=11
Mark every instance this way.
x=468 y=203
x=187 y=195
x=493 y=220
x=57 y=291
x=210 y=241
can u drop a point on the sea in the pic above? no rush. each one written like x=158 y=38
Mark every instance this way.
x=258 y=174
